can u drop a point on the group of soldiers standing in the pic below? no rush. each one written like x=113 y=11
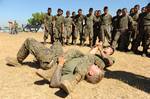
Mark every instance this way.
x=120 y=31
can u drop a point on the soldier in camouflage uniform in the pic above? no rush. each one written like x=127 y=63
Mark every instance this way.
x=74 y=37
x=88 y=27
x=15 y=27
x=115 y=24
x=45 y=56
x=79 y=23
x=122 y=33
x=146 y=30
x=59 y=34
x=135 y=30
x=140 y=36
x=68 y=26
x=76 y=67
x=96 y=27
x=48 y=26
x=106 y=25
x=73 y=29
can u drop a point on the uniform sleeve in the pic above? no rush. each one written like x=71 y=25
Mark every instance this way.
x=109 y=61
x=72 y=77
x=131 y=22
x=56 y=78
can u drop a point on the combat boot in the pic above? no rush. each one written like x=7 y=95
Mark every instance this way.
x=69 y=85
x=13 y=62
x=74 y=42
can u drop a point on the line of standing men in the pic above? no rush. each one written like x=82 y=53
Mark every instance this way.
x=120 y=31
x=132 y=29
x=61 y=28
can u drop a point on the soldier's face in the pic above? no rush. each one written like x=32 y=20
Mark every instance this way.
x=68 y=14
x=119 y=13
x=80 y=12
x=93 y=70
x=90 y=12
x=59 y=12
x=148 y=9
x=124 y=12
x=106 y=11
x=98 y=13
x=135 y=9
x=143 y=10
x=73 y=14
x=108 y=51
x=49 y=11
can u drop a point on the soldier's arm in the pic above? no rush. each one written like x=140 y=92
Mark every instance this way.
x=56 y=78
x=62 y=25
x=131 y=22
x=109 y=61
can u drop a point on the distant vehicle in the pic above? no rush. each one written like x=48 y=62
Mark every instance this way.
x=31 y=28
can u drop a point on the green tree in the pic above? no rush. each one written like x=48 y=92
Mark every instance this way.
x=36 y=19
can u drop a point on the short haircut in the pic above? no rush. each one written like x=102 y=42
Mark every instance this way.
x=124 y=9
x=79 y=10
x=95 y=78
x=59 y=9
x=137 y=6
x=91 y=9
x=105 y=8
x=49 y=8
x=68 y=11
x=119 y=10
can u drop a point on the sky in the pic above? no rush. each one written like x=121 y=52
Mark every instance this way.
x=21 y=10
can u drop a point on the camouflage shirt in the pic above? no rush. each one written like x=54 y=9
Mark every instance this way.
x=106 y=19
x=48 y=20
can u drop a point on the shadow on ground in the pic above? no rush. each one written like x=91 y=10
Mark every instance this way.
x=34 y=64
x=134 y=80
x=59 y=93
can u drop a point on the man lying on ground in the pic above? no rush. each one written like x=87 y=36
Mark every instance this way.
x=65 y=72
x=75 y=66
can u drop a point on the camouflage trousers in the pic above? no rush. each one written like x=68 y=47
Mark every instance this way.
x=133 y=34
x=73 y=33
x=45 y=56
x=136 y=42
x=48 y=32
x=68 y=31
x=106 y=32
x=122 y=39
x=97 y=33
x=146 y=38
x=59 y=35
x=88 y=32
x=79 y=31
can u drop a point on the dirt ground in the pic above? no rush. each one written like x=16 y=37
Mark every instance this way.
x=128 y=78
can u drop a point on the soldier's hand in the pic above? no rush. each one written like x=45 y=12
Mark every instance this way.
x=99 y=44
x=61 y=60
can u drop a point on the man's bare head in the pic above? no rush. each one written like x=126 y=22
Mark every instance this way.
x=94 y=74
